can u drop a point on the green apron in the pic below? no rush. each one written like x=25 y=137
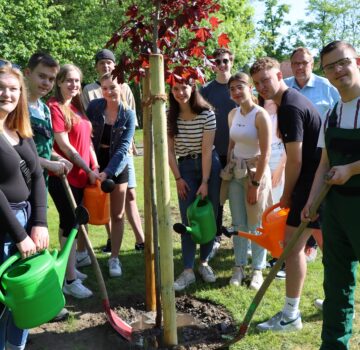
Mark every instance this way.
x=341 y=233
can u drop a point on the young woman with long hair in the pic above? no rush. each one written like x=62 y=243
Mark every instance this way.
x=22 y=189
x=72 y=131
x=191 y=133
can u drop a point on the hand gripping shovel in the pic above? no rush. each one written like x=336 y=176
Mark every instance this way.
x=261 y=292
x=115 y=321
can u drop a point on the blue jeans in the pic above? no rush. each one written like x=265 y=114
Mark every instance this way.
x=237 y=198
x=12 y=337
x=191 y=172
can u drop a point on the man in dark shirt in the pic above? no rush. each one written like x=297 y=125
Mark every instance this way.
x=299 y=124
x=216 y=92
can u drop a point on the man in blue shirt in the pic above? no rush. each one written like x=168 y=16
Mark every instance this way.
x=319 y=91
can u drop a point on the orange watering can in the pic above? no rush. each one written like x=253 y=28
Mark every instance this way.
x=272 y=232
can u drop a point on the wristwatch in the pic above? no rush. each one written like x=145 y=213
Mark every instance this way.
x=255 y=183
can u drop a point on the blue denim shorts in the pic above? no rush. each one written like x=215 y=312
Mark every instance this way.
x=131 y=170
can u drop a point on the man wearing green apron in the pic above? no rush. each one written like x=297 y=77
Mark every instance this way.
x=340 y=141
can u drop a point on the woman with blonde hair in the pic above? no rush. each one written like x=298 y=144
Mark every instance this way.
x=250 y=188
x=22 y=189
x=72 y=132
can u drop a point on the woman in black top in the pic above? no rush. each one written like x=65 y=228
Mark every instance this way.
x=23 y=225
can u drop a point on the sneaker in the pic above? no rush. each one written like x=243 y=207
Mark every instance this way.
x=114 y=267
x=281 y=275
x=310 y=253
x=82 y=259
x=184 y=280
x=207 y=273
x=77 y=290
x=280 y=323
x=215 y=247
x=81 y=276
x=61 y=316
x=271 y=263
x=237 y=277
x=107 y=248
x=318 y=303
x=140 y=246
x=256 y=280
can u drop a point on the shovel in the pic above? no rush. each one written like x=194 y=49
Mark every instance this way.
x=120 y=326
x=261 y=292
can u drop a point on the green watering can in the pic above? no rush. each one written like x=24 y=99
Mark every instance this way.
x=32 y=288
x=201 y=218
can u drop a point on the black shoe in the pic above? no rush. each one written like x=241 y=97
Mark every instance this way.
x=61 y=316
x=139 y=246
x=107 y=248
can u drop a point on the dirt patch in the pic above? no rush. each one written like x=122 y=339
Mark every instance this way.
x=200 y=326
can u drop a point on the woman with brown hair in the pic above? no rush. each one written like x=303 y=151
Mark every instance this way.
x=72 y=131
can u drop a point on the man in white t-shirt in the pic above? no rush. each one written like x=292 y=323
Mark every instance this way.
x=340 y=143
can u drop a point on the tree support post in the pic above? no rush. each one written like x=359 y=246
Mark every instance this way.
x=157 y=88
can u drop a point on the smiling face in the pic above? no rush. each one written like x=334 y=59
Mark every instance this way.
x=341 y=67
x=240 y=91
x=182 y=93
x=111 y=90
x=302 y=65
x=104 y=66
x=223 y=64
x=267 y=82
x=40 y=80
x=71 y=85
x=10 y=91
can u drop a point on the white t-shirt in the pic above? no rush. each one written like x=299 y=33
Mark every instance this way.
x=348 y=118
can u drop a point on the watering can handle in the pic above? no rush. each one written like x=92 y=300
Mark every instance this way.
x=5 y=265
x=270 y=209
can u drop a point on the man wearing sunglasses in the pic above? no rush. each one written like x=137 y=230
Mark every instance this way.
x=216 y=92
x=340 y=142
x=320 y=92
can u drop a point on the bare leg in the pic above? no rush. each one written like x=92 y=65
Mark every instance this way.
x=132 y=214
x=296 y=264
x=117 y=209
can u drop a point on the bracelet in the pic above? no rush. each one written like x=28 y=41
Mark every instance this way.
x=178 y=178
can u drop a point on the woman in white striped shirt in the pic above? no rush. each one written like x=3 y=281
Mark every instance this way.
x=191 y=133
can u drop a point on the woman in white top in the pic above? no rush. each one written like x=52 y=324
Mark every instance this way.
x=250 y=188
x=191 y=133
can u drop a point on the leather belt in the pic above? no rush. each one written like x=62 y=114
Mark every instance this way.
x=190 y=156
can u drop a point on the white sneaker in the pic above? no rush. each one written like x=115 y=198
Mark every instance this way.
x=310 y=254
x=184 y=280
x=280 y=323
x=114 y=267
x=215 y=248
x=318 y=303
x=77 y=290
x=207 y=273
x=82 y=259
x=237 y=277
x=256 y=280
x=81 y=276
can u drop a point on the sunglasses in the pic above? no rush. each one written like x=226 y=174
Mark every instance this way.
x=218 y=61
x=4 y=63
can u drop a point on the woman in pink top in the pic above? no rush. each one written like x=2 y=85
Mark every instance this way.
x=250 y=188
x=72 y=131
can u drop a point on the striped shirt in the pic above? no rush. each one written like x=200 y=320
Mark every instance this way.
x=189 y=138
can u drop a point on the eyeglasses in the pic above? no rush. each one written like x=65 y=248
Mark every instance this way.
x=218 y=61
x=4 y=63
x=343 y=62
x=298 y=64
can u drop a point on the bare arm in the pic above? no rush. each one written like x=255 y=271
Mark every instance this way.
x=231 y=142
x=292 y=171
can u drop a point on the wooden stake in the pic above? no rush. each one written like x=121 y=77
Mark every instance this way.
x=157 y=88
x=150 y=298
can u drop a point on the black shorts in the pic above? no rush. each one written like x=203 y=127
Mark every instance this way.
x=104 y=158
x=123 y=177
x=299 y=198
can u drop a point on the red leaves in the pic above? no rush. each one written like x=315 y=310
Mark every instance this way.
x=180 y=38
x=223 y=40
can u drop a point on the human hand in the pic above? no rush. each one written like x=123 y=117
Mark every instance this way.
x=285 y=201
x=338 y=175
x=40 y=236
x=182 y=188
x=102 y=176
x=93 y=176
x=252 y=194
x=68 y=165
x=57 y=167
x=26 y=247
x=276 y=177
x=203 y=190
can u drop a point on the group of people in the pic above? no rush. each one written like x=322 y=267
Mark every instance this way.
x=85 y=136
x=276 y=147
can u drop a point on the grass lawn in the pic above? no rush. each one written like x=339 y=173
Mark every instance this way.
x=236 y=300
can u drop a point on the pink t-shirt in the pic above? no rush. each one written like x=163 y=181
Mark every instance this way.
x=79 y=137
